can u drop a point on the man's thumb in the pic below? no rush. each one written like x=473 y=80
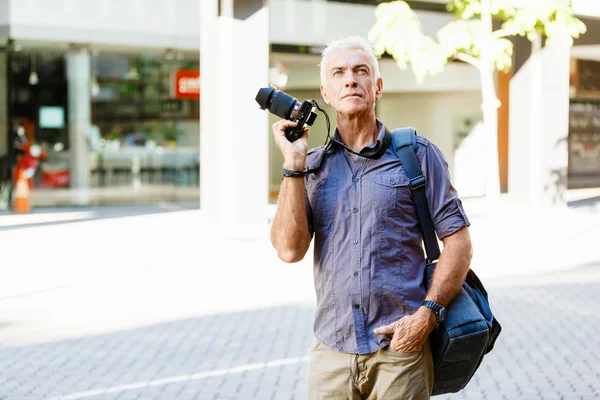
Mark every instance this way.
x=385 y=330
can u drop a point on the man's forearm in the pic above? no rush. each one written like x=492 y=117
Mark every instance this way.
x=452 y=268
x=289 y=232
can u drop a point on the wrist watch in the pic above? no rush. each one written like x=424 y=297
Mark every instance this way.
x=439 y=310
x=295 y=173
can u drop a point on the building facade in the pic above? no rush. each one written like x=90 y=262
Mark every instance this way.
x=539 y=101
x=110 y=90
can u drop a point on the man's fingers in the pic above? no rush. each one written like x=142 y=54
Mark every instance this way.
x=385 y=330
x=305 y=133
x=403 y=347
x=280 y=126
x=284 y=123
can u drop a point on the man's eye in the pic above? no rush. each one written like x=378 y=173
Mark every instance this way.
x=362 y=70
x=337 y=73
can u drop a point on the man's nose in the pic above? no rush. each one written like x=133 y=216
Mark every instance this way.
x=351 y=82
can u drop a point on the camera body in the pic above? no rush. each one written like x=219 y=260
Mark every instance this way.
x=303 y=115
x=287 y=107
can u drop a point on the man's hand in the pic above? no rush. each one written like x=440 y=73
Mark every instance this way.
x=410 y=332
x=294 y=153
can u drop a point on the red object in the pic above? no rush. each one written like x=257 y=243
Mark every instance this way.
x=27 y=164
x=53 y=179
x=187 y=84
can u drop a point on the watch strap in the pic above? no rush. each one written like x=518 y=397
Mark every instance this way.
x=435 y=307
x=294 y=173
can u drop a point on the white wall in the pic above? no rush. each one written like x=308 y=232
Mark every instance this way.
x=539 y=123
x=233 y=130
x=151 y=23
x=589 y=8
x=4 y=17
x=432 y=114
x=319 y=22
x=303 y=73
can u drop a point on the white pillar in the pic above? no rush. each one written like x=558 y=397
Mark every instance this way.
x=539 y=128
x=78 y=82
x=234 y=62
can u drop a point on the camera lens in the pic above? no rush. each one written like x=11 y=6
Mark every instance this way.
x=278 y=102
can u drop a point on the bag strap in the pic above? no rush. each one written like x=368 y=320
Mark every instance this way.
x=404 y=146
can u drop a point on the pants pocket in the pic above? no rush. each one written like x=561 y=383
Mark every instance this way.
x=407 y=355
x=316 y=343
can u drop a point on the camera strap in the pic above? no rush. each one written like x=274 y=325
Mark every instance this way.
x=374 y=153
x=311 y=169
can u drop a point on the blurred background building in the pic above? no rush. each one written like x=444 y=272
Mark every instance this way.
x=111 y=89
x=556 y=96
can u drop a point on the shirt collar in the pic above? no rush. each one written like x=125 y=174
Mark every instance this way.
x=374 y=150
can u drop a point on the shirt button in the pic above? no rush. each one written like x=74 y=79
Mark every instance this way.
x=355 y=273
x=355 y=210
x=357 y=306
x=355 y=180
x=355 y=241
x=393 y=182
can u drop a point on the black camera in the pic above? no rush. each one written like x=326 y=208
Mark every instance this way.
x=285 y=106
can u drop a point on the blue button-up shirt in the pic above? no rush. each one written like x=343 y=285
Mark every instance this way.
x=368 y=260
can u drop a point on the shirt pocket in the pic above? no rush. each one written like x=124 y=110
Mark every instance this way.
x=391 y=192
x=323 y=201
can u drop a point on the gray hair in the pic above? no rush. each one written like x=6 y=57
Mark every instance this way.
x=351 y=42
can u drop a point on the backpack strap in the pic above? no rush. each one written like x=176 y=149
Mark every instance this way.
x=404 y=146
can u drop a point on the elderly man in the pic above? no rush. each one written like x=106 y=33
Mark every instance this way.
x=373 y=315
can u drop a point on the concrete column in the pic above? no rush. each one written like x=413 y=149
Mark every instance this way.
x=78 y=82
x=234 y=62
x=3 y=105
x=539 y=128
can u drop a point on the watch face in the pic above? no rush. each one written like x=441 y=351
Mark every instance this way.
x=442 y=314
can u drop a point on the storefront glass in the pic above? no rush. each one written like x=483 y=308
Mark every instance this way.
x=143 y=140
x=584 y=125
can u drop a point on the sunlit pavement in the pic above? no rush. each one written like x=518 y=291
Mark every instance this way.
x=156 y=303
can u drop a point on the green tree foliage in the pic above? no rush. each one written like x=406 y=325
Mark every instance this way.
x=472 y=39
x=398 y=32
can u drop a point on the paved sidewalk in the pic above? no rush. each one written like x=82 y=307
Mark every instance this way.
x=124 y=304
x=546 y=351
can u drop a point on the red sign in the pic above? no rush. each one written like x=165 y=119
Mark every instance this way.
x=187 y=84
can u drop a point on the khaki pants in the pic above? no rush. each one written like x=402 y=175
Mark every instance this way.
x=383 y=375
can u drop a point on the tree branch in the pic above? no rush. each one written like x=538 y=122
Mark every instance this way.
x=468 y=59
x=502 y=33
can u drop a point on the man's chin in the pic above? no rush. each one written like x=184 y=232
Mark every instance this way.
x=352 y=111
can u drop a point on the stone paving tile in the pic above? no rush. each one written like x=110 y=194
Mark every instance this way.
x=549 y=349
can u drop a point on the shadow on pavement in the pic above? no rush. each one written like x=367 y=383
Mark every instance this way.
x=546 y=351
x=196 y=358
x=584 y=203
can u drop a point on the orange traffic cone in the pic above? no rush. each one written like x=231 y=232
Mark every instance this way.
x=22 y=195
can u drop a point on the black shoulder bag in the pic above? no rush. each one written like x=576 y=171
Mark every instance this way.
x=470 y=330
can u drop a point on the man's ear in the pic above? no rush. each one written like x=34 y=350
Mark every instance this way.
x=379 y=91
x=324 y=95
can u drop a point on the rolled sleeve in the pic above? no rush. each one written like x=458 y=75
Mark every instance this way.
x=446 y=208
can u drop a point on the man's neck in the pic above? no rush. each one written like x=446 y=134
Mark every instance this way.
x=357 y=132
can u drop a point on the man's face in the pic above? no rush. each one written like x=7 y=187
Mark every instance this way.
x=350 y=87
